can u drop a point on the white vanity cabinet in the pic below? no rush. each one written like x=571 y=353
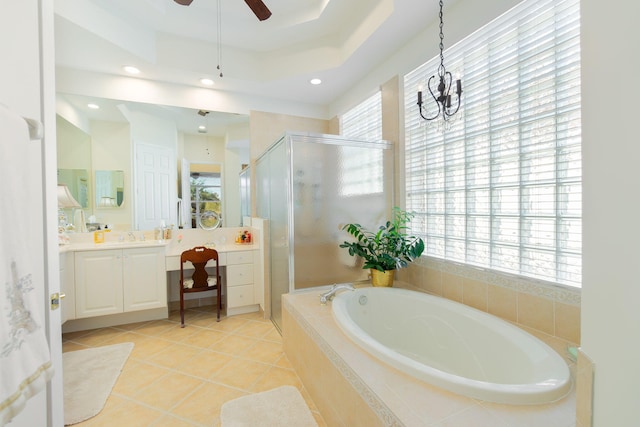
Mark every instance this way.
x=112 y=281
x=240 y=283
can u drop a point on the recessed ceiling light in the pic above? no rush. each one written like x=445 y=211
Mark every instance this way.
x=315 y=81
x=93 y=106
x=206 y=82
x=202 y=127
x=131 y=69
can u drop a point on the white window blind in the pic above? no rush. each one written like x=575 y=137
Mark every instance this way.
x=364 y=121
x=362 y=172
x=501 y=188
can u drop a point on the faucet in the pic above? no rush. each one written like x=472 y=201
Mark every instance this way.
x=132 y=237
x=327 y=296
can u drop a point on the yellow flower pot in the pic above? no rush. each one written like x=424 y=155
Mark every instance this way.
x=382 y=278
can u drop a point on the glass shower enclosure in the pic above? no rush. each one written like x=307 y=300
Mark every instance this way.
x=308 y=186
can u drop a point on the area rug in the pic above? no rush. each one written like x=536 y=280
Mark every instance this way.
x=281 y=407
x=89 y=375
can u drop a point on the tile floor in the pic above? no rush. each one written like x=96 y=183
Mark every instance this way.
x=181 y=377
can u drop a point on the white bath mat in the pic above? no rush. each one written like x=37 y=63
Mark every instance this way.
x=281 y=407
x=89 y=375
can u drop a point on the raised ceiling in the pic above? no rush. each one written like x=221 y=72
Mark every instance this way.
x=338 y=41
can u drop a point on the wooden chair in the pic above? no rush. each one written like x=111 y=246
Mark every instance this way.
x=200 y=280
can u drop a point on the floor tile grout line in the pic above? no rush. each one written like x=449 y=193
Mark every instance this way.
x=163 y=411
x=177 y=371
x=270 y=336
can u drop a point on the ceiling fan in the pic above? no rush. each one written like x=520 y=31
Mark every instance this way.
x=257 y=6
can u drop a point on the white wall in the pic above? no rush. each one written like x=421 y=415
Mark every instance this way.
x=140 y=90
x=611 y=249
x=111 y=150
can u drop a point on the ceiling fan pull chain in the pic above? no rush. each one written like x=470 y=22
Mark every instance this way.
x=219 y=17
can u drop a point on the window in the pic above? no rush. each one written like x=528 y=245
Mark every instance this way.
x=206 y=190
x=501 y=189
x=362 y=172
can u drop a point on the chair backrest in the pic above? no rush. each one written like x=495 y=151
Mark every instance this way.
x=199 y=256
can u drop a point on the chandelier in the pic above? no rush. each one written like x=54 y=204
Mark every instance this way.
x=443 y=92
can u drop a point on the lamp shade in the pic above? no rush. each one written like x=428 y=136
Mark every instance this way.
x=65 y=199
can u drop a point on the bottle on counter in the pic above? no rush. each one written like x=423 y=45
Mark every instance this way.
x=98 y=236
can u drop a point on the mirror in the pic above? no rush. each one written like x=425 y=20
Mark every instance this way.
x=110 y=131
x=74 y=163
x=109 y=189
x=77 y=181
x=205 y=183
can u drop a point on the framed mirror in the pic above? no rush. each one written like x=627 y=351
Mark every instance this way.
x=109 y=188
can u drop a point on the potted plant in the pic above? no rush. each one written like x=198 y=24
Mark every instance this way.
x=386 y=249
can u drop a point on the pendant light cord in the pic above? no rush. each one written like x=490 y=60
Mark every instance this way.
x=441 y=69
x=219 y=30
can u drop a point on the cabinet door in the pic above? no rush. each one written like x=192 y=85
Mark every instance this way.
x=240 y=257
x=98 y=277
x=239 y=274
x=144 y=279
x=240 y=296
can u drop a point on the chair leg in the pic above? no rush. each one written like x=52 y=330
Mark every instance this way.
x=181 y=307
x=219 y=302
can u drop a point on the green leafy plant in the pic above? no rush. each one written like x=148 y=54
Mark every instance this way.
x=388 y=248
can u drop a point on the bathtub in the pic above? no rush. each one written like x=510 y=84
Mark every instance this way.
x=452 y=346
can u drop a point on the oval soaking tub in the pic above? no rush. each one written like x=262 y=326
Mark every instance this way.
x=452 y=346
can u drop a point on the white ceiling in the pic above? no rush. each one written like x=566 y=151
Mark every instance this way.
x=338 y=41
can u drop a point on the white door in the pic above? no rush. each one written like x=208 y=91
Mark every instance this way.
x=155 y=186
x=27 y=41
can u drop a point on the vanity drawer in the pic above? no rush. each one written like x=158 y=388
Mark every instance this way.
x=239 y=296
x=240 y=257
x=240 y=274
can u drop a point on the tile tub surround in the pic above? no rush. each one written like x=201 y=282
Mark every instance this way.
x=351 y=388
x=549 y=308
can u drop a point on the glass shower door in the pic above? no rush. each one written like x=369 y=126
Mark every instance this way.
x=272 y=177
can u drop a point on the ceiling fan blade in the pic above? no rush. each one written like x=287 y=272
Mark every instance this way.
x=259 y=8
x=183 y=2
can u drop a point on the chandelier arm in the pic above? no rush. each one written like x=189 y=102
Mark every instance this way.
x=435 y=99
x=420 y=109
x=447 y=112
x=452 y=113
x=444 y=87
